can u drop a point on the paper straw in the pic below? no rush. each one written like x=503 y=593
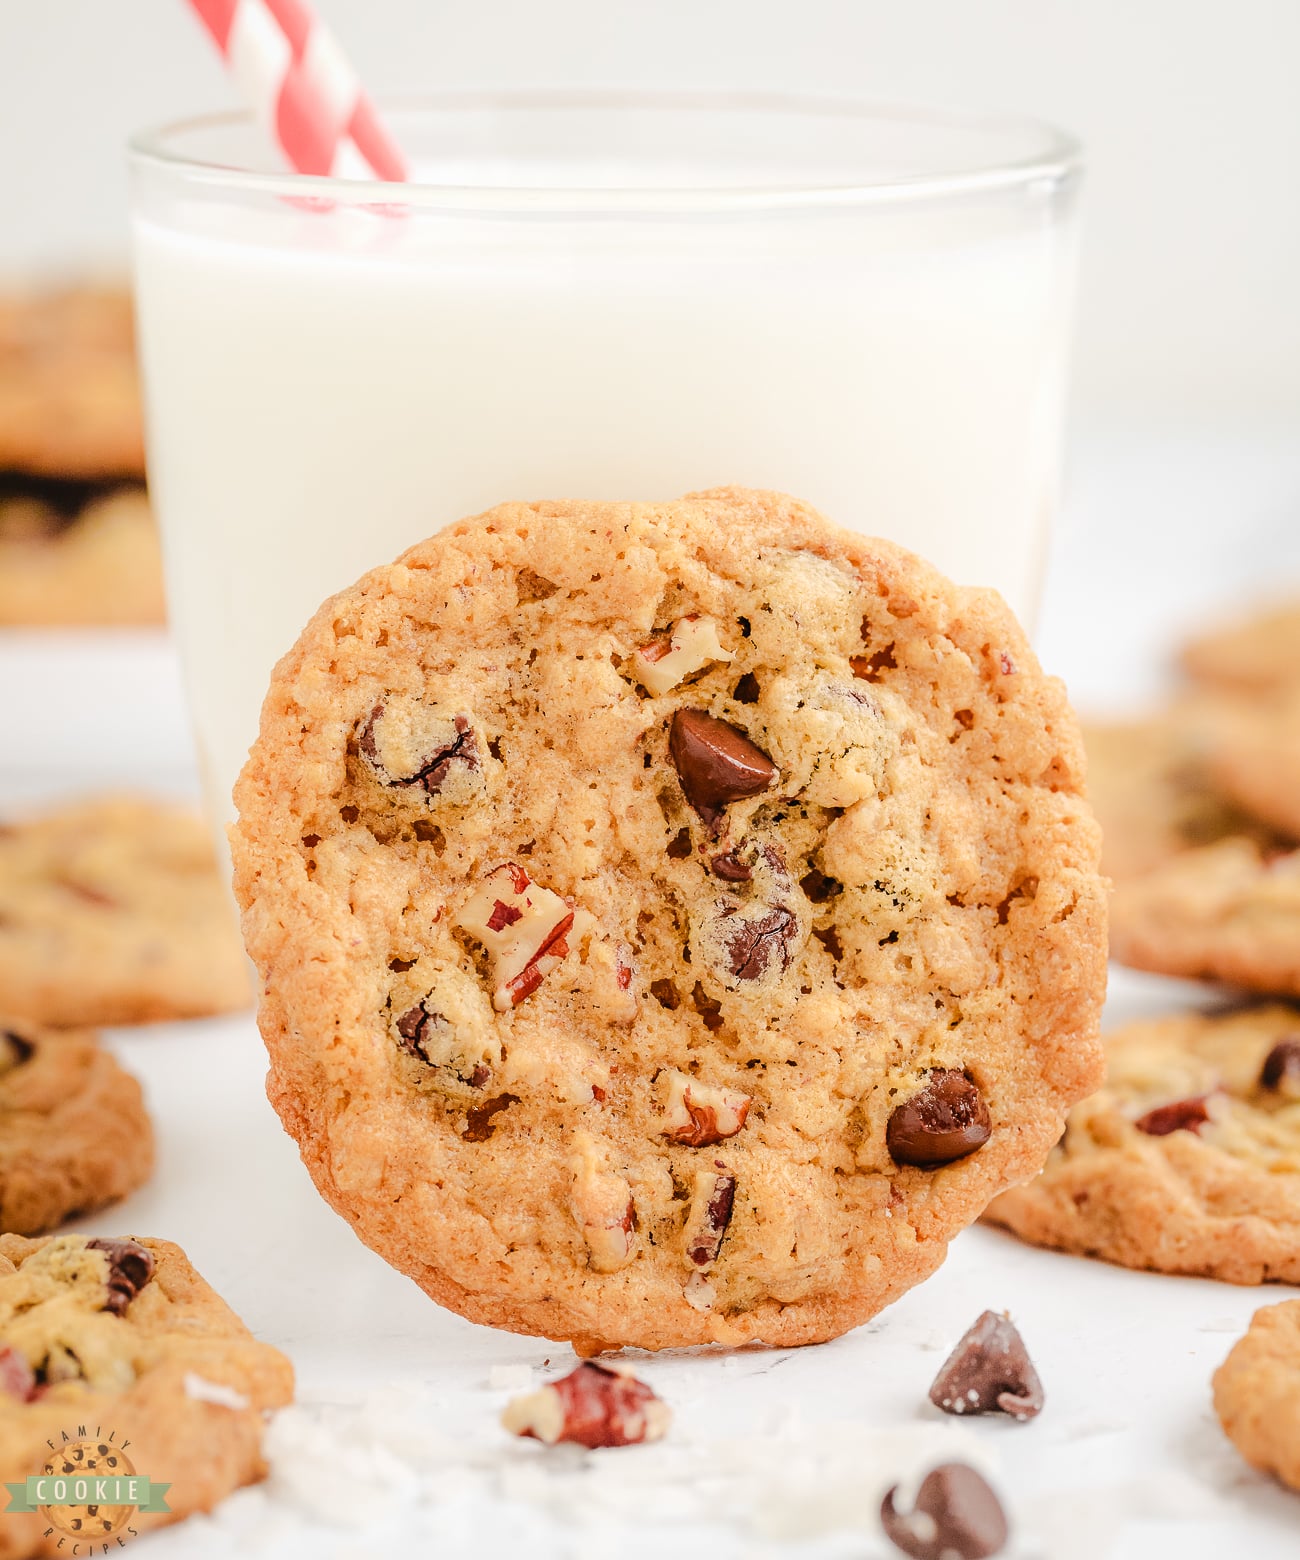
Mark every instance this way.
x=294 y=76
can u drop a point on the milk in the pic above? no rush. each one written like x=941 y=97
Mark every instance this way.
x=326 y=387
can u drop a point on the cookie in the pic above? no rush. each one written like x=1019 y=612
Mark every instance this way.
x=1151 y=787
x=1228 y=911
x=1187 y=1160
x=1257 y=1392
x=69 y=390
x=74 y=1133
x=79 y=560
x=676 y=921
x=118 y=1347
x=1254 y=759
x=112 y=912
x=1256 y=654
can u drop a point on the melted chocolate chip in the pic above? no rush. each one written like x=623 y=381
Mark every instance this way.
x=989 y=1372
x=679 y=847
x=956 y=1517
x=715 y=762
x=946 y=1120
x=130 y=1267
x=752 y=945
x=728 y=866
x=431 y=775
x=746 y=690
x=818 y=887
x=1281 y=1069
x=415 y=1028
x=479 y=1125
x=1178 y=1116
x=15 y=1049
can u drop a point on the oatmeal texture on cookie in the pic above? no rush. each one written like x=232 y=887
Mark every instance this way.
x=1188 y=1159
x=675 y=921
x=124 y=1337
x=1257 y=1392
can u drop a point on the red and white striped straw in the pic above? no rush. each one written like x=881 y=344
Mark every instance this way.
x=297 y=80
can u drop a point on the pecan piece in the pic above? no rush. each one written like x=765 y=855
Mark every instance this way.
x=17 y=1378
x=601 y=1203
x=523 y=928
x=696 y=1114
x=692 y=645
x=713 y=1200
x=594 y=1405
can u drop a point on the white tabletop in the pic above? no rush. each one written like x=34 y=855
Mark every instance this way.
x=394 y=1447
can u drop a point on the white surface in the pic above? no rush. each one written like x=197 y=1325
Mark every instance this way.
x=1187 y=108
x=1126 y=1461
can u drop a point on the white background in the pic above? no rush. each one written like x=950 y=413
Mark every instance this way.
x=1189 y=108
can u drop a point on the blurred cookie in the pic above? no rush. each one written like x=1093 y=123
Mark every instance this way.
x=1257 y=1392
x=112 y=912
x=91 y=560
x=1227 y=911
x=117 y=1358
x=69 y=392
x=1187 y=1160
x=1254 y=758
x=676 y=920
x=1255 y=654
x=74 y=1133
x=1150 y=787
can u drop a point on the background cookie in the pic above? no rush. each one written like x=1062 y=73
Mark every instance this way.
x=1254 y=759
x=1256 y=654
x=676 y=921
x=1187 y=1160
x=111 y=912
x=1227 y=912
x=124 y=1336
x=1257 y=1392
x=74 y=1133
x=69 y=391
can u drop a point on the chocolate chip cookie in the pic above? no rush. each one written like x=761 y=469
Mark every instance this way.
x=1259 y=653
x=1152 y=787
x=74 y=1133
x=69 y=390
x=112 y=912
x=1228 y=911
x=121 y=1341
x=676 y=921
x=71 y=553
x=1188 y=1159
x=1257 y=1392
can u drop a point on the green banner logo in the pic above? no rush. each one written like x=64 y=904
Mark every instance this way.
x=59 y=1489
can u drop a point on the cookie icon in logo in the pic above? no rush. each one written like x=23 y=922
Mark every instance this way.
x=80 y=1467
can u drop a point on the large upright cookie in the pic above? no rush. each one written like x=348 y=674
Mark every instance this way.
x=74 y=1133
x=69 y=390
x=1227 y=911
x=112 y=912
x=113 y=1349
x=676 y=921
x=1188 y=1159
x=1257 y=1392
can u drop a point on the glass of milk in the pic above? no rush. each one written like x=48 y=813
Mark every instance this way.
x=613 y=296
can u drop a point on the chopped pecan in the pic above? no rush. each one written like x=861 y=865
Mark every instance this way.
x=523 y=928
x=712 y=1200
x=692 y=645
x=595 y=1405
x=696 y=1114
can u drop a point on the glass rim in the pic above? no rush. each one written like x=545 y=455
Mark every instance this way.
x=1049 y=155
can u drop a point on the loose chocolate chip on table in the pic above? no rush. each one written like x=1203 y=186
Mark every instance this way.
x=989 y=1372
x=946 y=1120
x=1179 y=1116
x=956 y=1517
x=130 y=1267
x=715 y=762
x=1281 y=1069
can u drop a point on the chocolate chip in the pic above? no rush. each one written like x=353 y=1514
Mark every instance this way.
x=715 y=762
x=728 y=866
x=665 y=994
x=479 y=1125
x=15 y=1049
x=946 y=1120
x=752 y=945
x=1281 y=1069
x=818 y=887
x=989 y=1372
x=746 y=690
x=1178 y=1116
x=709 y=1009
x=956 y=1517
x=430 y=770
x=416 y=1028
x=130 y=1267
